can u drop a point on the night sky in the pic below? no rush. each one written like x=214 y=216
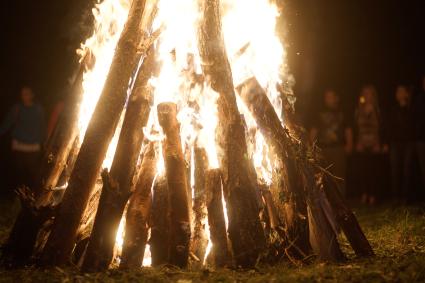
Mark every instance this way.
x=331 y=43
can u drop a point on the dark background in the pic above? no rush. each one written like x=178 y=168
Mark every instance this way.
x=331 y=43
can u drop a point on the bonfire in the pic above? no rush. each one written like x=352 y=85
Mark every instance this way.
x=179 y=146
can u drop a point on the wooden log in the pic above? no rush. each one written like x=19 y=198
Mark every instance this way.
x=278 y=139
x=346 y=219
x=96 y=141
x=138 y=211
x=114 y=199
x=177 y=186
x=19 y=247
x=200 y=237
x=219 y=254
x=245 y=230
x=159 y=223
x=61 y=142
x=343 y=214
x=322 y=237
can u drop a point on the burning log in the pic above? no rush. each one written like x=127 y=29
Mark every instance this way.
x=62 y=140
x=138 y=211
x=322 y=238
x=219 y=254
x=245 y=230
x=114 y=199
x=177 y=186
x=159 y=223
x=270 y=125
x=199 y=238
x=96 y=141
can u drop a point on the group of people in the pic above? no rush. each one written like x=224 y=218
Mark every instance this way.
x=369 y=135
x=364 y=138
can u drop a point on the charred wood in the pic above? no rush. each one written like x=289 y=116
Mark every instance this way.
x=177 y=186
x=245 y=230
x=138 y=211
x=117 y=191
x=96 y=141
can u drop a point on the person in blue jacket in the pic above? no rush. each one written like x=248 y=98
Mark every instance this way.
x=25 y=122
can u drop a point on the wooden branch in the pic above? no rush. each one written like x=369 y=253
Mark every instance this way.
x=159 y=240
x=177 y=185
x=279 y=140
x=219 y=254
x=200 y=238
x=113 y=201
x=245 y=230
x=96 y=141
x=138 y=211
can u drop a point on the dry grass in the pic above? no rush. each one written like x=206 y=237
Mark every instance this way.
x=396 y=233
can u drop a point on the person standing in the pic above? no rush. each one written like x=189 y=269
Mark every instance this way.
x=368 y=142
x=401 y=144
x=26 y=123
x=333 y=135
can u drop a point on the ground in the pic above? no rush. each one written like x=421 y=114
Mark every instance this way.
x=397 y=234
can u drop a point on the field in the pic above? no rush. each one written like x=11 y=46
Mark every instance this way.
x=396 y=233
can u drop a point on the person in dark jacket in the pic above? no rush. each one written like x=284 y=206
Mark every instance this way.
x=333 y=135
x=26 y=123
x=401 y=144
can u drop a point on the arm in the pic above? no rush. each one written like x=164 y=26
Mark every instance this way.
x=8 y=121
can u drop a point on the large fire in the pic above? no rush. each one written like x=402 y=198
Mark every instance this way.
x=253 y=48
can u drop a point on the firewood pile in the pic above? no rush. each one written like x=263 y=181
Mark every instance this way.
x=172 y=200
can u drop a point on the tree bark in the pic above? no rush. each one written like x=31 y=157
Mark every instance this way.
x=96 y=141
x=278 y=139
x=159 y=223
x=177 y=186
x=322 y=237
x=219 y=254
x=114 y=199
x=61 y=143
x=245 y=230
x=138 y=211
x=199 y=238
x=346 y=219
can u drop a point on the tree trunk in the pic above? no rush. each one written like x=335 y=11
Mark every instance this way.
x=346 y=219
x=114 y=199
x=200 y=238
x=138 y=211
x=177 y=186
x=96 y=141
x=159 y=223
x=278 y=139
x=245 y=230
x=219 y=254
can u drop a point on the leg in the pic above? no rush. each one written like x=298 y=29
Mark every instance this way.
x=420 y=149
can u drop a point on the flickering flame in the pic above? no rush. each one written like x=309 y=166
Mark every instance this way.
x=253 y=48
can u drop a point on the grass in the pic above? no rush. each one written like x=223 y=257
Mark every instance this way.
x=397 y=235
